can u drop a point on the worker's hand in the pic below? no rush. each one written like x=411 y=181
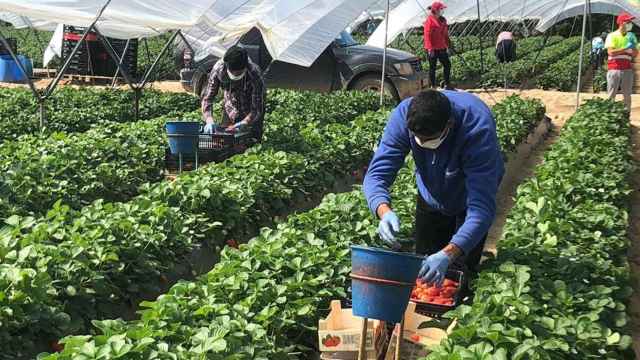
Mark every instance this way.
x=388 y=228
x=209 y=128
x=434 y=268
x=431 y=54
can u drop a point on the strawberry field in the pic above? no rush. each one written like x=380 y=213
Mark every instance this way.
x=102 y=256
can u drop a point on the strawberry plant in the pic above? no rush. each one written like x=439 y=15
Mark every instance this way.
x=562 y=75
x=78 y=110
x=521 y=70
x=106 y=254
x=110 y=162
x=263 y=299
x=559 y=286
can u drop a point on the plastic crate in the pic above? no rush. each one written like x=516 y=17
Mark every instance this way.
x=215 y=147
x=13 y=43
x=437 y=310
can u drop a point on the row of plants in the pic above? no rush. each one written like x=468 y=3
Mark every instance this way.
x=78 y=110
x=521 y=70
x=464 y=67
x=559 y=286
x=60 y=271
x=600 y=79
x=561 y=75
x=110 y=162
x=262 y=300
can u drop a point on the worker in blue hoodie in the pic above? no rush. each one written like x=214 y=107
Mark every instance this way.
x=452 y=137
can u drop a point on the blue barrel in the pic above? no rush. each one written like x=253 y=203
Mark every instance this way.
x=381 y=282
x=183 y=136
x=9 y=70
x=27 y=64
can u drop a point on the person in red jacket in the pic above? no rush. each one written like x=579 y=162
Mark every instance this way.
x=436 y=42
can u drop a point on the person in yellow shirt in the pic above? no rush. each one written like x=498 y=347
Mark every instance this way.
x=621 y=47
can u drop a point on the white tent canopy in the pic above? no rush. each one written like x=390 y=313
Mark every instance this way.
x=412 y=13
x=295 y=31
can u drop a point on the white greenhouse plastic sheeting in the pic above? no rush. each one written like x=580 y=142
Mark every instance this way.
x=122 y=19
x=412 y=13
x=294 y=31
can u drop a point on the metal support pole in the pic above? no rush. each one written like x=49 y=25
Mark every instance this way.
x=158 y=58
x=584 y=29
x=64 y=68
x=122 y=68
x=115 y=76
x=384 y=55
x=481 y=46
x=43 y=113
x=14 y=56
x=136 y=102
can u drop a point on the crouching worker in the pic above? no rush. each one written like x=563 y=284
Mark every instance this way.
x=244 y=94
x=453 y=141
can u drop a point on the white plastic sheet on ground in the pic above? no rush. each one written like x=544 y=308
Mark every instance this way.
x=412 y=13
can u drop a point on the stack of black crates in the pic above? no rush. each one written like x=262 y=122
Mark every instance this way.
x=12 y=43
x=92 y=58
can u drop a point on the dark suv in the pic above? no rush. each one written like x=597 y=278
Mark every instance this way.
x=345 y=64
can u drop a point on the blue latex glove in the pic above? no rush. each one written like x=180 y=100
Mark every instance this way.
x=209 y=128
x=434 y=268
x=388 y=228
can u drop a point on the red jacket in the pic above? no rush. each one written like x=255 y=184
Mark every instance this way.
x=436 y=33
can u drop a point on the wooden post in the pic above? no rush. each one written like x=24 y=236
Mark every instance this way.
x=399 y=339
x=362 y=354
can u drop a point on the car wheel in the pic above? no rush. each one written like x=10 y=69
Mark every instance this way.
x=372 y=83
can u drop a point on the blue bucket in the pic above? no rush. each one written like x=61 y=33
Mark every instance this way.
x=183 y=136
x=381 y=282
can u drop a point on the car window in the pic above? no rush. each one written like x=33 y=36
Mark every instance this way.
x=345 y=39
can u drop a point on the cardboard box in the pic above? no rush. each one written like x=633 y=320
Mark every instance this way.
x=416 y=342
x=340 y=331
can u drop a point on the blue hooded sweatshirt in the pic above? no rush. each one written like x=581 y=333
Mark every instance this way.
x=463 y=173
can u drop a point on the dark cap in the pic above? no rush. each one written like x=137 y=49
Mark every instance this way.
x=236 y=58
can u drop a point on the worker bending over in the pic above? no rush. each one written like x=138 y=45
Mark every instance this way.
x=452 y=137
x=244 y=93
x=505 y=47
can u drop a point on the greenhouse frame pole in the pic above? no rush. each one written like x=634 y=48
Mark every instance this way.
x=584 y=29
x=481 y=45
x=384 y=54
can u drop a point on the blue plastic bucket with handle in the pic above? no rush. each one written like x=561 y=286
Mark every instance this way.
x=183 y=136
x=381 y=282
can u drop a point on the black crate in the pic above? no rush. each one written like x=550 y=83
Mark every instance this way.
x=211 y=148
x=92 y=58
x=13 y=44
x=436 y=310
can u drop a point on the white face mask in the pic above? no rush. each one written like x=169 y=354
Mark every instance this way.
x=432 y=144
x=236 y=77
x=628 y=26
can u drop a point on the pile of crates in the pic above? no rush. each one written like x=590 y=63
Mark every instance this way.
x=92 y=58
